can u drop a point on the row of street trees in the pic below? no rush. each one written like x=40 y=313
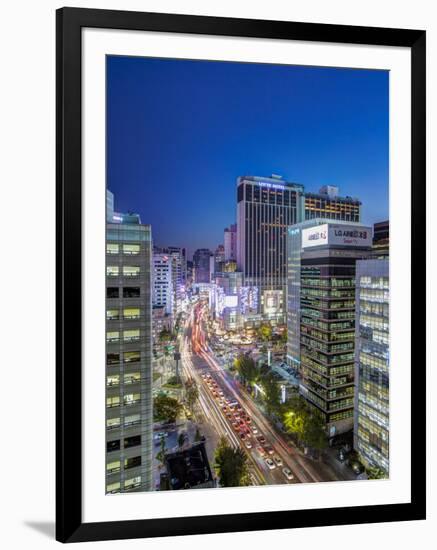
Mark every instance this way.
x=304 y=423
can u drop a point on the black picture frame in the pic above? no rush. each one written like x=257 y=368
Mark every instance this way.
x=69 y=24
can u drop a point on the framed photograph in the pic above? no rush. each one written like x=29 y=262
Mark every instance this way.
x=240 y=274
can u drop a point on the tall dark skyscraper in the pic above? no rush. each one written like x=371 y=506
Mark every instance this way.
x=201 y=265
x=265 y=208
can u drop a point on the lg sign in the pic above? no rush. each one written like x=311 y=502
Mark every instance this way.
x=337 y=235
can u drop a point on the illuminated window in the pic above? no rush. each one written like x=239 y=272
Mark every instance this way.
x=131 y=271
x=131 y=313
x=113 y=401
x=112 y=336
x=113 y=487
x=131 y=249
x=131 y=335
x=112 y=248
x=113 y=380
x=112 y=423
x=112 y=467
x=132 y=419
x=132 y=378
x=112 y=314
x=132 y=356
x=131 y=398
x=132 y=483
x=112 y=270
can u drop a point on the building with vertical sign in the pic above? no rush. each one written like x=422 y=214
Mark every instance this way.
x=321 y=314
x=129 y=418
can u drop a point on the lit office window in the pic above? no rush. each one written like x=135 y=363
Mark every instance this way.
x=131 y=249
x=112 y=248
x=132 y=483
x=113 y=380
x=132 y=419
x=112 y=270
x=131 y=398
x=131 y=335
x=112 y=315
x=112 y=336
x=132 y=378
x=112 y=467
x=131 y=313
x=112 y=423
x=132 y=356
x=113 y=401
x=131 y=271
x=113 y=487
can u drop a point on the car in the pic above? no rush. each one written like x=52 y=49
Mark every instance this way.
x=287 y=473
x=269 y=449
x=278 y=460
x=261 y=451
x=235 y=425
x=229 y=415
x=248 y=444
x=248 y=419
x=242 y=436
x=270 y=464
x=254 y=429
x=261 y=439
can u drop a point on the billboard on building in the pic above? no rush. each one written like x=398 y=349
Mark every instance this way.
x=272 y=301
x=337 y=235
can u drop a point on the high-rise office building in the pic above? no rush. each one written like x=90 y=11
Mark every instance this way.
x=381 y=239
x=265 y=208
x=178 y=260
x=162 y=282
x=329 y=205
x=321 y=314
x=201 y=265
x=129 y=418
x=230 y=242
x=371 y=424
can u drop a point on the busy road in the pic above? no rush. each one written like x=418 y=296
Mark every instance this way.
x=233 y=413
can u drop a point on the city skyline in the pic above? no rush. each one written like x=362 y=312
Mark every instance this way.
x=199 y=114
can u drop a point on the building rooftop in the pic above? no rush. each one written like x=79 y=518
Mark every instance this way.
x=189 y=468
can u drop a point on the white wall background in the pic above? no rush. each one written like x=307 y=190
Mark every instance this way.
x=27 y=180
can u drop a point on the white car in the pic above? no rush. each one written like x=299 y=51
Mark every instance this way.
x=254 y=429
x=270 y=464
x=248 y=444
x=287 y=473
x=278 y=460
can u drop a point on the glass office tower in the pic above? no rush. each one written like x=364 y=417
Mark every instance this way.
x=371 y=426
x=321 y=314
x=129 y=417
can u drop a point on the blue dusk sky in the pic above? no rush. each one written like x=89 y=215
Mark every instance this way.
x=179 y=132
